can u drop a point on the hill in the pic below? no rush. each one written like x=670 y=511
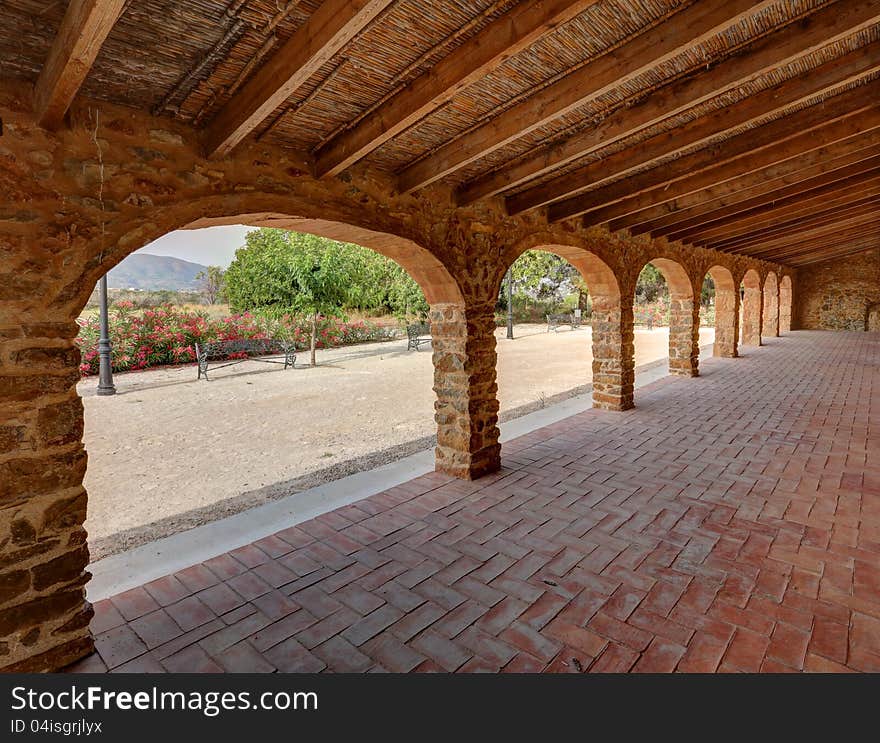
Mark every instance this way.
x=154 y=272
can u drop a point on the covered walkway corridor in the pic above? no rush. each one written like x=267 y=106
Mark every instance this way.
x=728 y=523
x=722 y=520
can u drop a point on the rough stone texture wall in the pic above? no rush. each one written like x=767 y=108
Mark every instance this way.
x=786 y=305
x=727 y=311
x=752 y=309
x=43 y=554
x=613 y=353
x=76 y=202
x=466 y=409
x=770 y=313
x=684 y=337
x=836 y=294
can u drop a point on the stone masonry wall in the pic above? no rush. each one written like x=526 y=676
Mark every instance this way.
x=466 y=409
x=836 y=294
x=770 y=313
x=727 y=311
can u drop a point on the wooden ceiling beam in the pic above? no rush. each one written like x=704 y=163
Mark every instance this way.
x=333 y=25
x=819 y=236
x=855 y=242
x=709 y=206
x=685 y=29
x=782 y=221
x=781 y=157
x=696 y=133
x=839 y=216
x=839 y=182
x=842 y=252
x=84 y=28
x=769 y=53
x=477 y=57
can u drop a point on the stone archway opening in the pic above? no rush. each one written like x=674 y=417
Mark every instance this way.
x=170 y=451
x=752 y=299
x=610 y=326
x=770 y=314
x=684 y=318
x=726 y=312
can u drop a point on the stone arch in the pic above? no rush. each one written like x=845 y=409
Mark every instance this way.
x=726 y=312
x=785 y=304
x=752 y=308
x=338 y=220
x=770 y=314
x=684 y=318
x=467 y=435
x=611 y=321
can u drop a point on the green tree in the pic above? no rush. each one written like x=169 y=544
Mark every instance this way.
x=280 y=272
x=542 y=275
x=651 y=285
x=211 y=283
x=707 y=292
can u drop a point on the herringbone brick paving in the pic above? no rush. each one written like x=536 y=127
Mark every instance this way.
x=728 y=523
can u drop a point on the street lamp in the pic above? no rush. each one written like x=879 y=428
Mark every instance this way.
x=510 y=304
x=105 y=368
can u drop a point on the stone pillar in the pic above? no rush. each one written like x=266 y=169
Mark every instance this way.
x=770 y=313
x=785 y=305
x=613 y=352
x=44 y=615
x=463 y=339
x=752 y=309
x=684 y=336
x=726 y=323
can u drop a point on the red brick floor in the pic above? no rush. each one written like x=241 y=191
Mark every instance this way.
x=728 y=523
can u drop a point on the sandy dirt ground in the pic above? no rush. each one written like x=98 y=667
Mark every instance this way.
x=168 y=452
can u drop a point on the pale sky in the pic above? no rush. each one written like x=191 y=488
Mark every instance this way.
x=211 y=246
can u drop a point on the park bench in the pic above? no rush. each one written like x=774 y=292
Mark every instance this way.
x=554 y=322
x=417 y=334
x=253 y=349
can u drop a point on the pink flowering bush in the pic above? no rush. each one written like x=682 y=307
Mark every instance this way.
x=167 y=335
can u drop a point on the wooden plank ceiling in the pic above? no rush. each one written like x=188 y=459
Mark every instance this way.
x=747 y=127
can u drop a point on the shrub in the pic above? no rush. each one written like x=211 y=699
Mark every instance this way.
x=167 y=335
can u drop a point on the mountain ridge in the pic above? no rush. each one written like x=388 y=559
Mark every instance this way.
x=154 y=273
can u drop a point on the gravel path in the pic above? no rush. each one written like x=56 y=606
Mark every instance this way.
x=168 y=452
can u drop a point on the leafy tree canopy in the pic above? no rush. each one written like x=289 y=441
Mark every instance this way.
x=285 y=271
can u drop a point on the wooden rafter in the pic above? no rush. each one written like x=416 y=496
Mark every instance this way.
x=701 y=131
x=826 y=253
x=870 y=203
x=836 y=231
x=317 y=41
x=506 y=36
x=656 y=196
x=772 y=52
x=804 y=243
x=85 y=27
x=738 y=194
x=735 y=157
x=685 y=29
x=774 y=214
x=827 y=184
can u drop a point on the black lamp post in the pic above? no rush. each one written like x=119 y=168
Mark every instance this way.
x=509 y=304
x=105 y=369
